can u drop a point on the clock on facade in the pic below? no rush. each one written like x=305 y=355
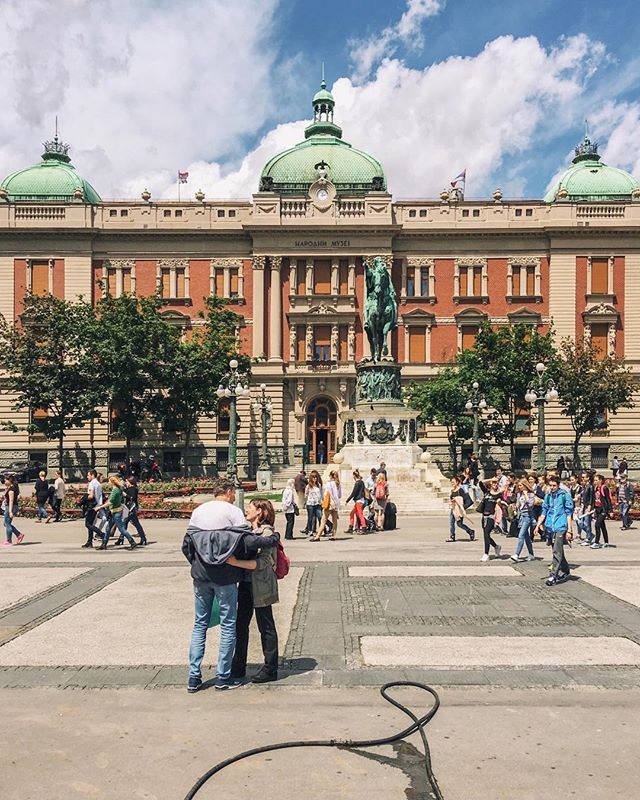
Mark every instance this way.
x=322 y=195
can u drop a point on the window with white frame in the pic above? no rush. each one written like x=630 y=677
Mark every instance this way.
x=524 y=278
x=40 y=276
x=600 y=276
x=119 y=277
x=226 y=278
x=471 y=279
x=173 y=278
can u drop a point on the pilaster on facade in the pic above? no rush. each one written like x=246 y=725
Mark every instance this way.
x=275 y=310
x=258 y=311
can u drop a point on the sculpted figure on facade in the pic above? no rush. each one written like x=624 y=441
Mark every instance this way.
x=381 y=307
x=293 y=339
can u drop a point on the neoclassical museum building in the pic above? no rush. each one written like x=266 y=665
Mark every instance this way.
x=290 y=262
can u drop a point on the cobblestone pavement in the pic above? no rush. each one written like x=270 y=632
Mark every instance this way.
x=128 y=615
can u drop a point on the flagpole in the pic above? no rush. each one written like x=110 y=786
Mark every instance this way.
x=178 y=185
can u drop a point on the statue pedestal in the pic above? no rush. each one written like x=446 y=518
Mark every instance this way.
x=378 y=431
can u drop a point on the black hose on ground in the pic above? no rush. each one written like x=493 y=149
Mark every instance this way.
x=418 y=725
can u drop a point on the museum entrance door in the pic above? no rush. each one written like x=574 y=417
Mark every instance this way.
x=322 y=421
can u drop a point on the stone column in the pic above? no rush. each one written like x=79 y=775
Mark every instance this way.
x=351 y=276
x=405 y=360
x=226 y=282
x=309 y=276
x=335 y=275
x=275 y=311
x=403 y=280
x=258 y=306
x=293 y=276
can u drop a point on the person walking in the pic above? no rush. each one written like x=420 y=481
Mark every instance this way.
x=131 y=502
x=218 y=544
x=91 y=499
x=313 y=502
x=603 y=507
x=59 y=490
x=289 y=507
x=458 y=512
x=41 y=489
x=115 y=504
x=322 y=453
x=623 y=468
x=357 y=522
x=10 y=510
x=490 y=508
x=380 y=495
x=586 y=510
x=330 y=507
x=625 y=499
x=258 y=590
x=300 y=483
x=524 y=506
x=615 y=466
x=556 y=514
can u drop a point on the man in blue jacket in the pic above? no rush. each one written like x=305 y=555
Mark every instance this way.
x=556 y=518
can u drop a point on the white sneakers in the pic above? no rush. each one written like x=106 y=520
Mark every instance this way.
x=515 y=558
x=485 y=557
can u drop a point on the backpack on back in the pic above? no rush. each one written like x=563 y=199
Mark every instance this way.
x=381 y=490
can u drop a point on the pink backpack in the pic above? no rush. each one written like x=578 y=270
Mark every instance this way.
x=283 y=562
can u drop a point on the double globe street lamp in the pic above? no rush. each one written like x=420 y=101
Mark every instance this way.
x=232 y=391
x=264 y=405
x=539 y=393
x=476 y=403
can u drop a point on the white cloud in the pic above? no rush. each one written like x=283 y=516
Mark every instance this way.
x=140 y=88
x=426 y=125
x=620 y=123
x=367 y=53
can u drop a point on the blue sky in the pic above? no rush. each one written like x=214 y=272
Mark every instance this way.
x=428 y=86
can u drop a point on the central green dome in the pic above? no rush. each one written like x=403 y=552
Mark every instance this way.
x=54 y=178
x=323 y=152
x=590 y=179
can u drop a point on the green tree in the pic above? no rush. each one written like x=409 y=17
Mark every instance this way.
x=195 y=369
x=441 y=400
x=49 y=358
x=591 y=386
x=136 y=348
x=503 y=362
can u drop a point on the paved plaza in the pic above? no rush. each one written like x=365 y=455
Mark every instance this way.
x=540 y=686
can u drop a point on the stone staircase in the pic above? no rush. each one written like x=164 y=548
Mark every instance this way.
x=415 y=498
x=281 y=474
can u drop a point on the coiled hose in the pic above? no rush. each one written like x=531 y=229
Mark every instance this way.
x=418 y=725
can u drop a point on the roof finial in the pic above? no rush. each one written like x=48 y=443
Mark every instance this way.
x=323 y=83
x=56 y=136
x=586 y=128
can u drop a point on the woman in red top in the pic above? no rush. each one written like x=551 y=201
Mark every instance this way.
x=603 y=508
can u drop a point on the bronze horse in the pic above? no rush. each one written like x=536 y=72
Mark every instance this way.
x=380 y=308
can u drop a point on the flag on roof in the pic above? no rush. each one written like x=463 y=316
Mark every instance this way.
x=183 y=176
x=461 y=178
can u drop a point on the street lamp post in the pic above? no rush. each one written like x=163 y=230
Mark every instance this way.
x=476 y=403
x=539 y=393
x=233 y=390
x=263 y=404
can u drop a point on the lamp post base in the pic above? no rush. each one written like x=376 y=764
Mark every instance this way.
x=264 y=480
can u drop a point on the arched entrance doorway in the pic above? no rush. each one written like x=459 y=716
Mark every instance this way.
x=322 y=421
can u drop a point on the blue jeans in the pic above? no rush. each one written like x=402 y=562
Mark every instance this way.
x=314 y=515
x=584 y=524
x=624 y=513
x=460 y=523
x=9 y=527
x=228 y=601
x=42 y=511
x=525 y=522
x=116 y=521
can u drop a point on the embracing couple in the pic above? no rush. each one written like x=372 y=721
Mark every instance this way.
x=233 y=559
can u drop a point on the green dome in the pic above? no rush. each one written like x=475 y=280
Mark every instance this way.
x=54 y=178
x=325 y=152
x=590 y=179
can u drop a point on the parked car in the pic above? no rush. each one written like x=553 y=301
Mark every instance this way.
x=23 y=471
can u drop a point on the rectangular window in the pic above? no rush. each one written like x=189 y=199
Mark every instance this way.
x=343 y=354
x=322 y=276
x=411 y=284
x=524 y=281
x=599 y=457
x=424 y=282
x=468 y=336
x=599 y=338
x=233 y=282
x=111 y=282
x=522 y=458
x=417 y=349
x=301 y=343
x=220 y=282
x=301 y=277
x=224 y=418
x=599 y=276
x=166 y=283
x=322 y=343
x=470 y=281
x=522 y=418
x=180 y=282
x=343 y=277
x=39 y=278
x=39 y=419
x=531 y=281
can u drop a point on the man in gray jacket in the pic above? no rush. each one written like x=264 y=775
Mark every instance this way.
x=218 y=544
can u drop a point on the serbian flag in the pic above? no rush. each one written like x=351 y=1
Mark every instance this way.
x=461 y=178
x=183 y=177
